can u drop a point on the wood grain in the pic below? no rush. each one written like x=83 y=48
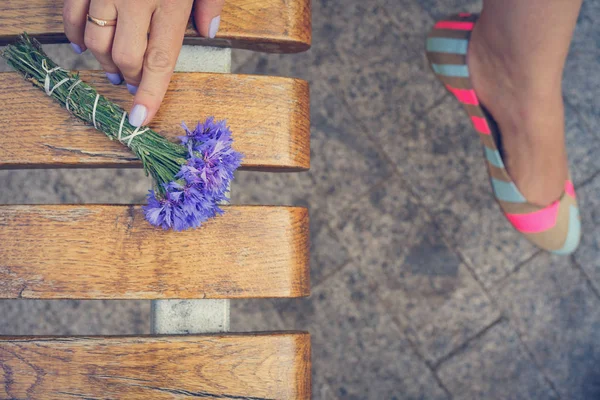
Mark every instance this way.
x=269 y=118
x=112 y=252
x=249 y=366
x=277 y=26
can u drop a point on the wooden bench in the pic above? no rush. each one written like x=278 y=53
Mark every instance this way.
x=257 y=366
x=277 y=26
x=270 y=116
x=110 y=252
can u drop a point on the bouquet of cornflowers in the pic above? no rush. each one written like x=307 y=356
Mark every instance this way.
x=190 y=179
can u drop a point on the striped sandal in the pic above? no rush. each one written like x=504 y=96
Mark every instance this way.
x=555 y=228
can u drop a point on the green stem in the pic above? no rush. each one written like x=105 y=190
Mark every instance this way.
x=160 y=158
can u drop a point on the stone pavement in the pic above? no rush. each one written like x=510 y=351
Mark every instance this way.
x=421 y=290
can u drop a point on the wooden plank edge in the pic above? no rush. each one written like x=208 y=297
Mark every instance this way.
x=299 y=90
x=263 y=45
x=135 y=164
x=33 y=338
x=276 y=45
x=297 y=354
x=300 y=286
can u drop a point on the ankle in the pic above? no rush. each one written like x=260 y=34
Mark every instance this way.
x=512 y=91
x=529 y=110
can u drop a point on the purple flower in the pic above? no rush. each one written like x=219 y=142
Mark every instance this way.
x=182 y=207
x=212 y=160
x=206 y=131
x=172 y=211
x=196 y=203
x=202 y=182
x=160 y=211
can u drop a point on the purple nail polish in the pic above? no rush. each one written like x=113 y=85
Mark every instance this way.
x=138 y=115
x=76 y=48
x=132 y=89
x=214 y=26
x=115 y=79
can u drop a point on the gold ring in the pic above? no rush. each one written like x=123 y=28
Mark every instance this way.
x=101 y=22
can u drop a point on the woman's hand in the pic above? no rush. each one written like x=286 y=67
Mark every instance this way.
x=143 y=46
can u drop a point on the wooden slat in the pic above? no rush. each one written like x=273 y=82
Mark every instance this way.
x=112 y=252
x=250 y=366
x=269 y=117
x=278 y=26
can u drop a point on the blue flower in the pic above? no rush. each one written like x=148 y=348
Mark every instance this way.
x=160 y=211
x=206 y=131
x=201 y=183
x=212 y=160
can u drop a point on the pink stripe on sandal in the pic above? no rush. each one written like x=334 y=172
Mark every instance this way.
x=481 y=125
x=465 y=96
x=570 y=189
x=537 y=221
x=455 y=25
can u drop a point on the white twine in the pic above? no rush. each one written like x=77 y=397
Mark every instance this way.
x=94 y=110
x=49 y=92
x=134 y=134
x=47 y=79
x=70 y=91
x=121 y=126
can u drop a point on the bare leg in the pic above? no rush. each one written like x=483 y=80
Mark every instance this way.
x=517 y=55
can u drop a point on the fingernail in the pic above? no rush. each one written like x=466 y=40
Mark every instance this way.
x=132 y=89
x=115 y=79
x=214 y=26
x=138 y=115
x=76 y=48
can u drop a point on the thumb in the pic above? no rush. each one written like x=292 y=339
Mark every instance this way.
x=207 y=16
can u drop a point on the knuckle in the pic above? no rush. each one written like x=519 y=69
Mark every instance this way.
x=93 y=43
x=126 y=60
x=70 y=18
x=158 y=60
x=147 y=92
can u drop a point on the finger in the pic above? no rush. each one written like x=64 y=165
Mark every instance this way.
x=99 y=39
x=74 y=18
x=129 y=45
x=207 y=16
x=166 y=37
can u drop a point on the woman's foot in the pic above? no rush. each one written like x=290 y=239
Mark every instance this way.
x=527 y=104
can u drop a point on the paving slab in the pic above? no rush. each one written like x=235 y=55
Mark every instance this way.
x=495 y=366
x=553 y=307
